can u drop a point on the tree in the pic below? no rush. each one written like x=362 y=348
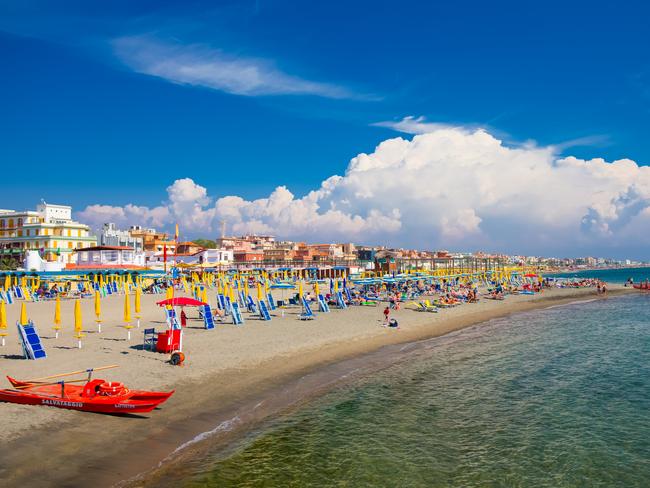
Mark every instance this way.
x=8 y=263
x=206 y=243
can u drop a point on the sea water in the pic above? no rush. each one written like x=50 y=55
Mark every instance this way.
x=558 y=397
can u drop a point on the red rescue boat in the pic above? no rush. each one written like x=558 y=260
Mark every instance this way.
x=642 y=286
x=96 y=395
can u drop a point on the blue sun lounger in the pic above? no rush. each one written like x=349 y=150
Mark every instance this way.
x=339 y=300
x=30 y=341
x=264 y=312
x=208 y=319
x=237 y=318
x=322 y=304
x=270 y=301
x=306 y=314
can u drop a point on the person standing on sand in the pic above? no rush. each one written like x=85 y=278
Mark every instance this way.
x=386 y=315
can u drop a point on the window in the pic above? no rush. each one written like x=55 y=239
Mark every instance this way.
x=11 y=223
x=20 y=222
x=27 y=232
x=54 y=244
x=3 y=223
x=69 y=245
x=20 y=233
x=69 y=233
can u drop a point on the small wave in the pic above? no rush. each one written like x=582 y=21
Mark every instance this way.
x=224 y=426
x=575 y=302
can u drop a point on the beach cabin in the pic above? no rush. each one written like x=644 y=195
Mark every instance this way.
x=109 y=257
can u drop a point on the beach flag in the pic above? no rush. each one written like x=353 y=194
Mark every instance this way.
x=78 y=326
x=3 y=321
x=57 y=317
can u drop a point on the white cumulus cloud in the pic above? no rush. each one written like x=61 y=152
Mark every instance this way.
x=199 y=65
x=446 y=188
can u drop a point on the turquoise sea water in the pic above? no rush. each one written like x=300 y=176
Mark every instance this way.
x=552 y=398
x=610 y=275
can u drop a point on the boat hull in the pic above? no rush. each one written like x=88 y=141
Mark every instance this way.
x=71 y=398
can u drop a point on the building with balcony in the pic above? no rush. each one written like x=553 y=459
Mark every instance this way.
x=110 y=235
x=152 y=241
x=49 y=230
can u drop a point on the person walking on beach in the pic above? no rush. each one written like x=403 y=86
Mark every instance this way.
x=386 y=315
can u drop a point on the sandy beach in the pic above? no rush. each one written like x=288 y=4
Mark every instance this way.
x=226 y=369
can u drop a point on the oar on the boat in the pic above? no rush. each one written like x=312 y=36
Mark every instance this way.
x=61 y=375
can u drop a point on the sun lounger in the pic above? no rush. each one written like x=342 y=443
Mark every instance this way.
x=30 y=341
x=264 y=312
x=250 y=304
x=339 y=300
x=271 y=302
x=237 y=318
x=306 y=314
x=322 y=304
x=208 y=319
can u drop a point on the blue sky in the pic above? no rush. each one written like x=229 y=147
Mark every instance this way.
x=97 y=95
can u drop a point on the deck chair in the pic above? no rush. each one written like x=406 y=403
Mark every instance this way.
x=30 y=341
x=208 y=319
x=270 y=301
x=307 y=313
x=150 y=339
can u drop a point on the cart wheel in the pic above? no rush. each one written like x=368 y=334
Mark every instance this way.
x=177 y=358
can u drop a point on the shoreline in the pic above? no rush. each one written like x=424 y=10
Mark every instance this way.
x=250 y=394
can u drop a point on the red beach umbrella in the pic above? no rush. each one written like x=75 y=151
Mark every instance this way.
x=181 y=302
x=530 y=275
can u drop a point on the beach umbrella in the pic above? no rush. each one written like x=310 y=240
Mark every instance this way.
x=336 y=286
x=260 y=295
x=7 y=282
x=180 y=302
x=57 y=316
x=204 y=294
x=23 y=314
x=98 y=312
x=138 y=305
x=3 y=321
x=78 y=326
x=300 y=290
x=127 y=315
x=316 y=290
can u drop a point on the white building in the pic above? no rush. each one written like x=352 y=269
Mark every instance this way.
x=110 y=235
x=110 y=257
x=49 y=230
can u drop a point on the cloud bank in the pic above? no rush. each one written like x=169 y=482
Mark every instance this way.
x=199 y=65
x=448 y=188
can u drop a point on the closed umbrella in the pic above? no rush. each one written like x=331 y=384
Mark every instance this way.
x=23 y=314
x=57 y=316
x=127 y=315
x=138 y=307
x=78 y=326
x=3 y=321
x=98 y=312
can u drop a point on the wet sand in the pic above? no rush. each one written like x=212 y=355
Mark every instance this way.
x=234 y=377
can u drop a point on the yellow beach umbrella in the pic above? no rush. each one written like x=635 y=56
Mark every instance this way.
x=98 y=311
x=170 y=292
x=78 y=325
x=7 y=282
x=23 y=314
x=316 y=290
x=232 y=295
x=204 y=295
x=57 y=316
x=259 y=292
x=138 y=305
x=300 y=290
x=127 y=315
x=336 y=286
x=127 y=309
x=3 y=321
